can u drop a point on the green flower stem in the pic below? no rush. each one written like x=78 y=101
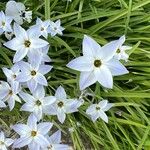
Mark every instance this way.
x=47 y=9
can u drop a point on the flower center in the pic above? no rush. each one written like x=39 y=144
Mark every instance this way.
x=55 y=28
x=23 y=14
x=49 y=147
x=118 y=51
x=60 y=104
x=98 y=108
x=27 y=43
x=97 y=63
x=42 y=29
x=10 y=92
x=33 y=133
x=2 y=143
x=3 y=23
x=38 y=103
x=14 y=76
x=33 y=73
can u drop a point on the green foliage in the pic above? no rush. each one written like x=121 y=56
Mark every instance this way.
x=104 y=20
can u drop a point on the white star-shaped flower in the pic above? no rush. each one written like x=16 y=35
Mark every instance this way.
x=9 y=93
x=55 y=28
x=33 y=74
x=32 y=134
x=42 y=26
x=96 y=111
x=36 y=103
x=5 y=142
x=121 y=52
x=54 y=142
x=12 y=74
x=25 y=42
x=97 y=63
x=62 y=105
x=17 y=11
x=5 y=23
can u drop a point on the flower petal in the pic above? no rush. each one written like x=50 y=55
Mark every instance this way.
x=8 y=73
x=44 y=128
x=41 y=140
x=90 y=47
x=103 y=103
x=61 y=115
x=27 y=107
x=72 y=105
x=60 y=93
x=39 y=93
x=8 y=141
x=109 y=50
x=13 y=44
x=26 y=97
x=20 y=54
x=11 y=103
x=86 y=79
x=116 y=67
x=121 y=40
x=44 y=69
x=38 y=43
x=94 y=116
x=49 y=100
x=41 y=79
x=22 y=141
x=35 y=58
x=21 y=129
x=82 y=64
x=2 y=136
x=38 y=112
x=55 y=138
x=103 y=116
x=109 y=105
x=32 y=122
x=19 y=31
x=104 y=76
x=50 y=110
x=2 y=104
x=34 y=146
x=32 y=84
x=23 y=77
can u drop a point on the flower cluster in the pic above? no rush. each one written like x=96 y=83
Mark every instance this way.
x=26 y=81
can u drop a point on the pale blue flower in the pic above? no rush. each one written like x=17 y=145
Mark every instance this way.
x=42 y=26
x=5 y=23
x=33 y=74
x=96 y=111
x=97 y=63
x=62 y=105
x=121 y=52
x=25 y=43
x=55 y=142
x=17 y=11
x=32 y=134
x=5 y=142
x=36 y=103
x=55 y=28
x=12 y=74
x=8 y=93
